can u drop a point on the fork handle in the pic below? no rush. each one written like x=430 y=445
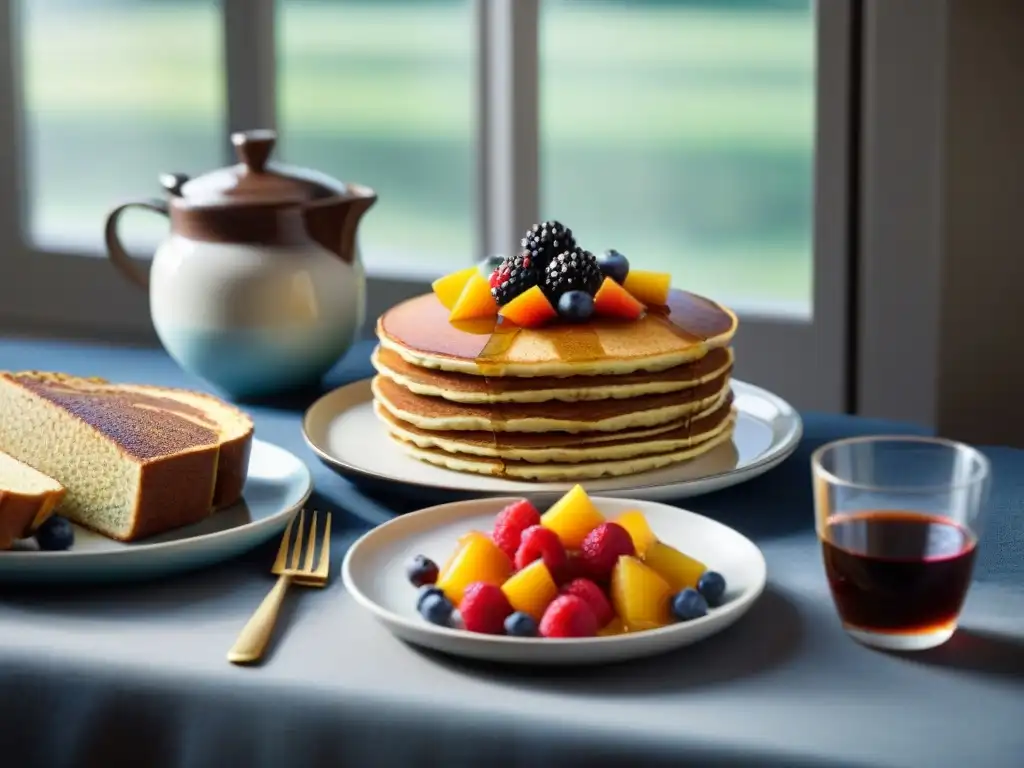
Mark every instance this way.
x=255 y=635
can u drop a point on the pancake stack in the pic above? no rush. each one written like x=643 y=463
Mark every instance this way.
x=566 y=402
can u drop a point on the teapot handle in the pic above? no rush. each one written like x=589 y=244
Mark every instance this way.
x=115 y=250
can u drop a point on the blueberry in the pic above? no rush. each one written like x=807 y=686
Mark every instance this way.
x=491 y=263
x=437 y=609
x=614 y=265
x=520 y=624
x=421 y=570
x=689 y=604
x=575 y=305
x=425 y=591
x=712 y=586
x=55 y=534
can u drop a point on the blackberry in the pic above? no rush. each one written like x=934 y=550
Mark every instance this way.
x=513 y=276
x=575 y=270
x=546 y=240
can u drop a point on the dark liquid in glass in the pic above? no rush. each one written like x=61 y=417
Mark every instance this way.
x=895 y=571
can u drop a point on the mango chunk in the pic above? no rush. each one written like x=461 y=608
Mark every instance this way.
x=639 y=595
x=475 y=301
x=478 y=559
x=639 y=531
x=572 y=517
x=531 y=590
x=679 y=570
x=449 y=288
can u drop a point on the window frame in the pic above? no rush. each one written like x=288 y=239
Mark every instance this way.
x=53 y=292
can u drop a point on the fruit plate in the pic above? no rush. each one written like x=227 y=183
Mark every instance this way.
x=374 y=574
x=278 y=483
x=343 y=431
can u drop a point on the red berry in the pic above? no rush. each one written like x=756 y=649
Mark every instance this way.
x=538 y=541
x=568 y=616
x=510 y=524
x=484 y=608
x=603 y=547
x=574 y=568
x=593 y=596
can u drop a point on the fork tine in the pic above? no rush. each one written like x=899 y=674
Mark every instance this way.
x=297 y=549
x=325 y=552
x=307 y=565
x=280 y=563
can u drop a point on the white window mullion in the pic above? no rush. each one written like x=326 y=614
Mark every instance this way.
x=508 y=121
x=250 y=65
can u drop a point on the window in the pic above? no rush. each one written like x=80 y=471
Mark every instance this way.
x=700 y=137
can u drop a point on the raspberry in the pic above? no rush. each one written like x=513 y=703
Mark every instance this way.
x=603 y=547
x=574 y=568
x=592 y=595
x=510 y=524
x=538 y=541
x=484 y=608
x=568 y=616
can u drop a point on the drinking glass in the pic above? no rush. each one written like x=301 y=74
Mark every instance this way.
x=899 y=520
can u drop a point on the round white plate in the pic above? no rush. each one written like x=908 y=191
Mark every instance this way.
x=347 y=436
x=374 y=574
x=278 y=484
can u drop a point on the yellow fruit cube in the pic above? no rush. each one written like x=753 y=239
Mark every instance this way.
x=531 y=590
x=648 y=287
x=458 y=548
x=679 y=570
x=613 y=627
x=572 y=517
x=449 y=288
x=639 y=595
x=479 y=559
x=475 y=301
x=639 y=531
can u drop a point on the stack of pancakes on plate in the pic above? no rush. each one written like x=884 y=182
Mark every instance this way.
x=566 y=402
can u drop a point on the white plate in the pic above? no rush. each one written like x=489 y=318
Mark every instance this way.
x=344 y=432
x=278 y=484
x=374 y=574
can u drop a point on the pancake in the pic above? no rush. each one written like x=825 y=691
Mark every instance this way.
x=435 y=413
x=419 y=331
x=468 y=388
x=568 y=448
x=525 y=470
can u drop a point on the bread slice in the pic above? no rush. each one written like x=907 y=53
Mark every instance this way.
x=234 y=426
x=131 y=467
x=27 y=498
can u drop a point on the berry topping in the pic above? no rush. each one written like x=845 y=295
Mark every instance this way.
x=510 y=524
x=540 y=542
x=484 y=609
x=426 y=591
x=421 y=570
x=520 y=624
x=569 y=616
x=688 y=605
x=55 y=534
x=575 y=305
x=603 y=546
x=437 y=609
x=712 y=586
x=593 y=596
x=546 y=240
x=512 y=277
x=574 y=270
x=614 y=265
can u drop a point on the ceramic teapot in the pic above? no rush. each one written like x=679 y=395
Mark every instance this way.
x=259 y=288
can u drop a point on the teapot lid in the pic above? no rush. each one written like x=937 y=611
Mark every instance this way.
x=253 y=181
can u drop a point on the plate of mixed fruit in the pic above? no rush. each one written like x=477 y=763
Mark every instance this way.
x=586 y=580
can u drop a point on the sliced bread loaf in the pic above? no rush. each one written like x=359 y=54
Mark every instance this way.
x=131 y=467
x=27 y=498
x=234 y=427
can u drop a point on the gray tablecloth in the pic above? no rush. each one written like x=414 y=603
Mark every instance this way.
x=135 y=675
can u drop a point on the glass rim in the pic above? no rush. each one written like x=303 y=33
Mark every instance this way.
x=980 y=473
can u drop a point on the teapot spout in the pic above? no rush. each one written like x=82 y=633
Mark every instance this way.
x=333 y=222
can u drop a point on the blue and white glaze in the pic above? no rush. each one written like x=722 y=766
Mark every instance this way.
x=255 y=320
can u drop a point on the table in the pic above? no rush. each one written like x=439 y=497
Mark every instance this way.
x=135 y=675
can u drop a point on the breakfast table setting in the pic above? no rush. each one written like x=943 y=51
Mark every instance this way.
x=528 y=518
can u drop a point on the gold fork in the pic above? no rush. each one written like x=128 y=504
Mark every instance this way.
x=256 y=634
